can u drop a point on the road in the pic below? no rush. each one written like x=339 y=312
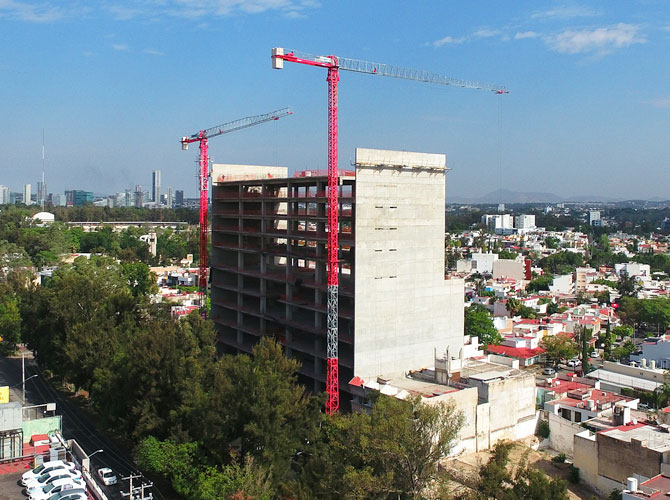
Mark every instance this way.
x=76 y=424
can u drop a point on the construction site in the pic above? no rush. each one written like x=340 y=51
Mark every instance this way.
x=269 y=264
x=344 y=268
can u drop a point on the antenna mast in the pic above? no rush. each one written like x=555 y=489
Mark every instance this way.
x=43 y=191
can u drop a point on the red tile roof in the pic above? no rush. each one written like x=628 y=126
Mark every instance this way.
x=515 y=352
x=625 y=428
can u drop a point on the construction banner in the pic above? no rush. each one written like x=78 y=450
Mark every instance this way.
x=4 y=394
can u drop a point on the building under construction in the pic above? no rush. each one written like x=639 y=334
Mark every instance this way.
x=269 y=254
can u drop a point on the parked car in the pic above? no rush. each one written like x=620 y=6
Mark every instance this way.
x=55 y=486
x=107 y=476
x=78 y=494
x=548 y=370
x=44 y=468
x=573 y=363
x=50 y=477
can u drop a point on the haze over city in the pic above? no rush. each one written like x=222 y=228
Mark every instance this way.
x=116 y=84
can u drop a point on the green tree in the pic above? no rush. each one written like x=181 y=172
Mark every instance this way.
x=528 y=483
x=10 y=321
x=584 y=336
x=478 y=323
x=540 y=283
x=623 y=351
x=507 y=254
x=623 y=331
x=627 y=285
x=558 y=347
x=258 y=402
x=513 y=306
x=561 y=262
x=193 y=479
x=392 y=452
x=604 y=243
x=606 y=339
x=139 y=278
x=552 y=242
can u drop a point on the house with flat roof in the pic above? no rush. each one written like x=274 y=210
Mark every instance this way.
x=606 y=459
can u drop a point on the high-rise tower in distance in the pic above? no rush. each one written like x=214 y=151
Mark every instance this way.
x=156 y=187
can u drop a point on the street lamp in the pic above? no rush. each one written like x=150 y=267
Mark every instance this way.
x=24 y=387
x=87 y=461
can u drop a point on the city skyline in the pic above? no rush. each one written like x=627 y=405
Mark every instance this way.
x=587 y=103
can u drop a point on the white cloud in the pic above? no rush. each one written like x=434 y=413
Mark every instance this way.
x=565 y=12
x=289 y=8
x=34 y=13
x=662 y=102
x=599 y=40
x=153 y=52
x=448 y=40
x=486 y=33
x=125 y=10
x=120 y=46
x=522 y=35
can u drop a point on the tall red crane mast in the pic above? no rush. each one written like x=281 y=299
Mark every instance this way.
x=203 y=181
x=333 y=64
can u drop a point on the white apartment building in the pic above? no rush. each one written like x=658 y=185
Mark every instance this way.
x=4 y=195
x=26 y=194
x=524 y=223
x=594 y=218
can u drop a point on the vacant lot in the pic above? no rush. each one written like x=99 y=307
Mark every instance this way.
x=465 y=469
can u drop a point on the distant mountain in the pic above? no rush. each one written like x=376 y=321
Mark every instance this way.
x=507 y=196
x=594 y=198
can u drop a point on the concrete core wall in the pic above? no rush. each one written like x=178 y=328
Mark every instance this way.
x=405 y=309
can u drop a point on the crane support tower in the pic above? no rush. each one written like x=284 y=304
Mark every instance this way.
x=333 y=64
x=203 y=181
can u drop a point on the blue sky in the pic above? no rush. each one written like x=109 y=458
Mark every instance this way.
x=115 y=84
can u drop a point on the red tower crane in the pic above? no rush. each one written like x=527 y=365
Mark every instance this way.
x=333 y=64
x=203 y=180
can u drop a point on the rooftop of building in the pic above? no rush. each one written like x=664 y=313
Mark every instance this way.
x=652 y=437
x=515 y=352
x=579 y=397
x=656 y=487
x=423 y=382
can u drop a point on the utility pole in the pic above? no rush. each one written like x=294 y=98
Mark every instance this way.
x=130 y=489
x=23 y=377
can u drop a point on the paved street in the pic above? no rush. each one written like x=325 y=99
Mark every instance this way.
x=10 y=489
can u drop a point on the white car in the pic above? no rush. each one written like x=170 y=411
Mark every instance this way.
x=574 y=363
x=44 y=468
x=78 y=494
x=55 y=486
x=52 y=476
x=107 y=476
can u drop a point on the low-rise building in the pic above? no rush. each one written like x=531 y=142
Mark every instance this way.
x=606 y=459
x=655 y=353
x=658 y=487
x=617 y=376
x=496 y=398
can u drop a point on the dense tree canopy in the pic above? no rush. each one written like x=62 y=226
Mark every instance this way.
x=478 y=323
